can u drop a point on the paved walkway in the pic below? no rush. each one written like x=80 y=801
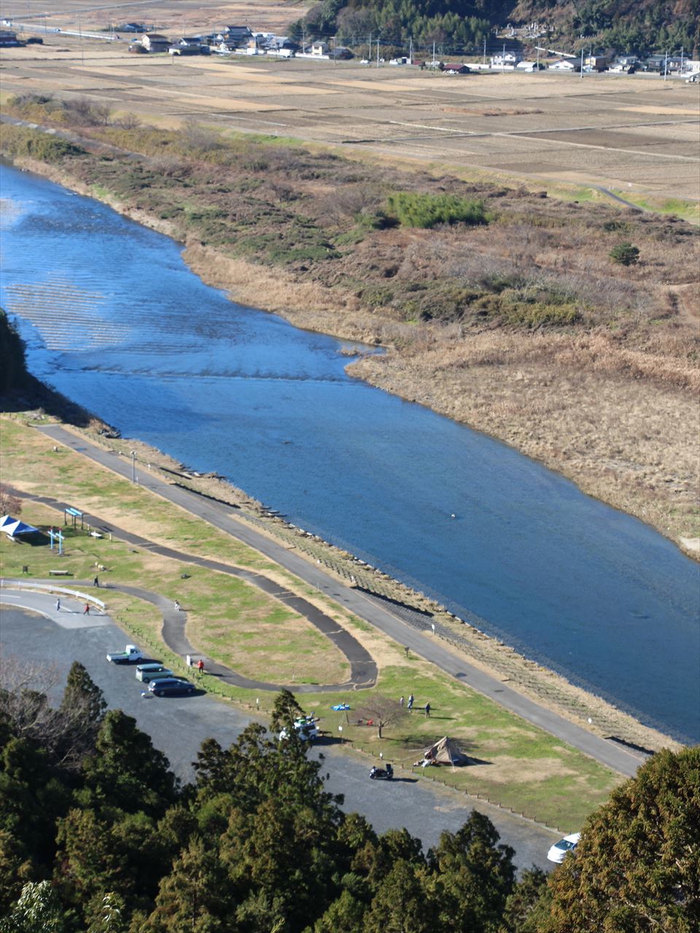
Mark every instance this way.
x=71 y=615
x=623 y=760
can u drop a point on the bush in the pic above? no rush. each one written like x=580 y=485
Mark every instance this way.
x=17 y=141
x=625 y=253
x=428 y=210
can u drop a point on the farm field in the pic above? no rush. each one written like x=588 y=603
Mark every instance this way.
x=636 y=135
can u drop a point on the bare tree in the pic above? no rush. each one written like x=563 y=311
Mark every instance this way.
x=66 y=732
x=10 y=504
x=383 y=711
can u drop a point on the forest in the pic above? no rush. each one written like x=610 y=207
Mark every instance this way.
x=633 y=26
x=97 y=834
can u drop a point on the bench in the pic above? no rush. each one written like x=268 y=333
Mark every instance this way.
x=60 y=573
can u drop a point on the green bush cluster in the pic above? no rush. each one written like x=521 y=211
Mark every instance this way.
x=428 y=210
x=18 y=141
x=625 y=253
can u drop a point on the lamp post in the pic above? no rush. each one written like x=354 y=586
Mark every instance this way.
x=133 y=466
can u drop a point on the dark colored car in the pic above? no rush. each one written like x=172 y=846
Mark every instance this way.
x=171 y=687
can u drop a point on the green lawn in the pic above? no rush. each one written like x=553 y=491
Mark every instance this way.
x=515 y=764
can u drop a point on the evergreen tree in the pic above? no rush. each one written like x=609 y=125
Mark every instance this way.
x=637 y=866
x=473 y=877
x=195 y=897
x=127 y=772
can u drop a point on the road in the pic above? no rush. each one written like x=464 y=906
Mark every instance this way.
x=178 y=725
x=220 y=515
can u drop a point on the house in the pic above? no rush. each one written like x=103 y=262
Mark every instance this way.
x=598 y=62
x=239 y=35
x=320 y=49
x=529 y=66
x=339 y=53
x=131 y=27
x=565 y=64
x=458 y=68
x=154 y=42
x=282 y=44
x=505 y=59
x=224 y=47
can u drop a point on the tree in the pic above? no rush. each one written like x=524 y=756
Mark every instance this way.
x=522 y=900
x=38 y=910
x=195 y=897
x=82 y=697
x=284 y=711
x=127 y=771
x=383 y=711
x=637 y=866
x=473 y=876
x=625 y=254
x=10 y=504
x=403 y=903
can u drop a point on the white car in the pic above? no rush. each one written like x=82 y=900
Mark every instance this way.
x=306 y=727
x=559 y=849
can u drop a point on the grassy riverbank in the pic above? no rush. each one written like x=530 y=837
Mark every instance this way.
x=517 y=766
x=513 y=319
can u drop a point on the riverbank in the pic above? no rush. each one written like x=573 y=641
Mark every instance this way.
x=488 y=654
x=608 y=401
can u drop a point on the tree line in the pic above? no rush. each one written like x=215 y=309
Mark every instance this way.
x=463 y=25
x=98 y=836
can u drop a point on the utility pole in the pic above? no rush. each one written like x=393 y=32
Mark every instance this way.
x=484 y=59
x=581 y=64
x=377 y=51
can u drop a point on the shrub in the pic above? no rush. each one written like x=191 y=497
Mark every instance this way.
x=18 y=141
x=625 y=253
x=428 y=210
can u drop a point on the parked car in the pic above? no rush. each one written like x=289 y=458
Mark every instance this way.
x=306 y=727
x=171 y=686
x=128 y=656
x=148 y=672
x=559 y=850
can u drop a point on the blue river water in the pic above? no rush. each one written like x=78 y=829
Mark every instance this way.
x=113 y=318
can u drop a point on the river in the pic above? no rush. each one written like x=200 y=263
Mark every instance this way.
x=114 y=319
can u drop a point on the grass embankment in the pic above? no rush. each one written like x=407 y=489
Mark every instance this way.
x=520 y=324
x=517 y=765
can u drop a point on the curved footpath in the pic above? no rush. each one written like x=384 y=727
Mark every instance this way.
x=624 y=761
x=363 y=670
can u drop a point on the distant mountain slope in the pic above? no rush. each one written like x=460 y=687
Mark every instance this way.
x=631 y=25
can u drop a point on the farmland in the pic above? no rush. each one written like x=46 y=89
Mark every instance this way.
x=636 y=135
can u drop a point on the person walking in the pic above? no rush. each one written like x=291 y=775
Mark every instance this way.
x=427 y=710
x=86 y=610
x=410 y=702
x=200 y=666
x=401 y=700
x=177 y=605
x=58 y=605
x=96 y=581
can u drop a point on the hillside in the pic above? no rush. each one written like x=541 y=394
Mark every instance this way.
x=640 y=26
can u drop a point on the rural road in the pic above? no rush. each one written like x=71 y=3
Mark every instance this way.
x=220 y=515
x=33 y=632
